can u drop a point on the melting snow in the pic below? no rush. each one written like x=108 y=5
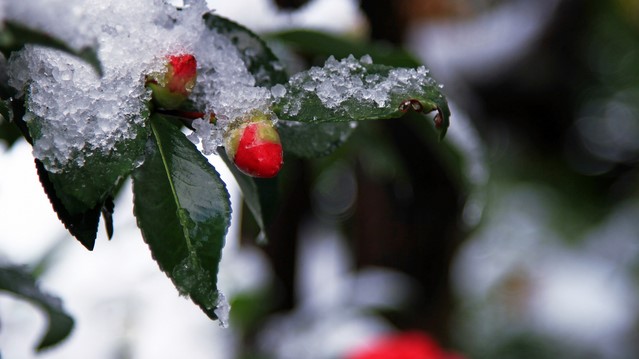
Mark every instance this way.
x=351 y=79
x=84 y=113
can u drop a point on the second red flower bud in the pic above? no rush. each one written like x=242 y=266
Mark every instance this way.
x=254 y=146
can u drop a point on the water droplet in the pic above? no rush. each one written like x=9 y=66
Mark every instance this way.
x=366 y=59
x=261 y=238
x=278 y=91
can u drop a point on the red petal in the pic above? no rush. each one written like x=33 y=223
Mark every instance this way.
x=184 y=65
x=411 y=345
x=257 y=157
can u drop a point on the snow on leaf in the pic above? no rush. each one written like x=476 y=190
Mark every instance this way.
x=353 y=90
x=256 y=55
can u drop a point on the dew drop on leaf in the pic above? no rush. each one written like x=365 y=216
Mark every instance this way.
x=261 y=238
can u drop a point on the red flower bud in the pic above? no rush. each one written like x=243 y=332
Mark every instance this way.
x=173 y=86
x=254 y=146
x=408 y=345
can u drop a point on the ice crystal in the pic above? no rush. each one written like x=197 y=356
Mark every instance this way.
x=224 y=87
x=354 y=80
x=81 y=113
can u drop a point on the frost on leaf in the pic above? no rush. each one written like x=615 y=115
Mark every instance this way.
x=79 y=114
x=353 y=89
x=72 y=113
x=233 y=66
x=351 y=80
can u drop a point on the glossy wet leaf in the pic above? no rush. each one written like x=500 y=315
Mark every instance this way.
x=308 y=140
x=18 y=281
x=260 y=194
x=321 y=43
x=183 y=210
x=355 y=90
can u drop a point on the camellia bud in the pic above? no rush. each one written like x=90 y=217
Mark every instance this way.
x=173 y=86
x=254 y=146
x=407 y=345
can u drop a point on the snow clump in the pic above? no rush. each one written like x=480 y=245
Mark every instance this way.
x=354 y=80
x=79 y=113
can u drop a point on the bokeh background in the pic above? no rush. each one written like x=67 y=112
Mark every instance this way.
x=515 y=237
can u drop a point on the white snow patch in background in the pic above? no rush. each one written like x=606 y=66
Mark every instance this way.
x=582 y=298
x=330 y=318
x=3 y=10
x=328 y=15
x=484 y=45
x=28 y=226
x=516 y=267
x=62 y=19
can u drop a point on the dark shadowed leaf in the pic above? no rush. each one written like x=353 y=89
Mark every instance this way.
x=12 y=128
x=82 y=186
x=78 y=192
x=81 y=221
x=260 y=194
x=82 y=224
x=313 y=140
x=183 y=210
x=321 y=43
x=5 y=111
x=107 y=214
x=8 y=131
x=19 y=281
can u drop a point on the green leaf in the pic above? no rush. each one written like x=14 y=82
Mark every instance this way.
x=81 y=220
x=356 y=90
x=82 y=223
x=257 y=56
x=260 y=194
x=107 y=214
x=311 y=140
x=5 y=111
x=320 y=43
x=11 y=129
x=79 y=191
x=183 y=210
x=18 y=280
x=8 y=131
x=14 y=36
